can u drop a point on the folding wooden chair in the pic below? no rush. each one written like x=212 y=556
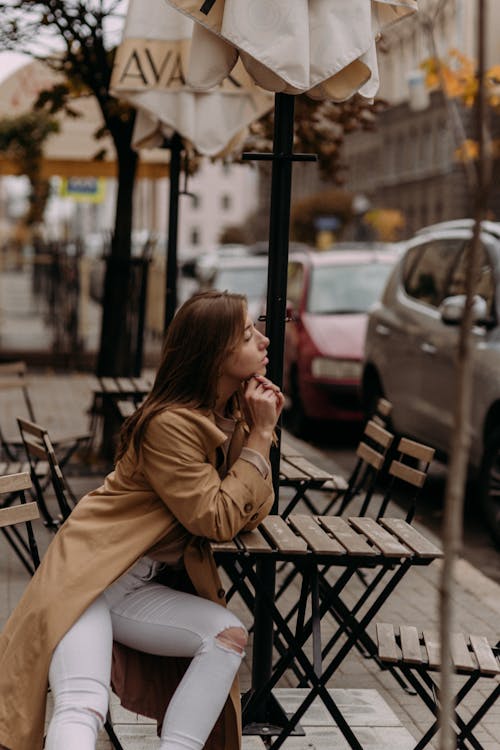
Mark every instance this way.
x=24 y=546
x=38 y=447
x=13 y=377
x=371 y=452
x=418 y=656
x=405 y=480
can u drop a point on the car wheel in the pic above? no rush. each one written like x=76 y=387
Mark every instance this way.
x=297 y=420
x=489 y=485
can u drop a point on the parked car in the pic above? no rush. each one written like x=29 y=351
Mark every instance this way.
x=328 y=298
x=412 y=342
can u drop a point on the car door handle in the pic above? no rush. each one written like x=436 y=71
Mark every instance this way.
x=428 y=348
x=382 y=330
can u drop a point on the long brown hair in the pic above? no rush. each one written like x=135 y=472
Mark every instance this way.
x=202 y=334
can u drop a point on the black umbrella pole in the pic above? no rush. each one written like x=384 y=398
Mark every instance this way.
x=173 y=222
x=281 y=182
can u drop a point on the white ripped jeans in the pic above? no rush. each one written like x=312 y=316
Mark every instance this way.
x=152 y=618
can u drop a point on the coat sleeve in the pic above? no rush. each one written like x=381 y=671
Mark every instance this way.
x=175 y=462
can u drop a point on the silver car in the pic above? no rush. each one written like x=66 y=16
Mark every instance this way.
x=411 y=345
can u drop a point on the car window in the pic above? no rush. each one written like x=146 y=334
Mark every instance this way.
x=241 y=280
x=485 y=282
x=295 y=283
x=428 y=279
x=341 y=289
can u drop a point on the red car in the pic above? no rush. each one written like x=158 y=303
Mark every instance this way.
x=328 y=299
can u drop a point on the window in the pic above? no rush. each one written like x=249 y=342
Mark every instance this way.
x=428 y=279
x=195 y=200
x=195 y=236
x=484 y=285
x=225 y=202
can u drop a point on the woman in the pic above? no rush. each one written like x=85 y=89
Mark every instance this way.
x=132 y=563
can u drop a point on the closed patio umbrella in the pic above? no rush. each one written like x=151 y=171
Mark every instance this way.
x=150 y=73
x=326 y=49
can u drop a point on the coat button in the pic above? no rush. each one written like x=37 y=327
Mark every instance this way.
x=248 y=507
x=221 y=593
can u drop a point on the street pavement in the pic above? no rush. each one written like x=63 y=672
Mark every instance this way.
x=381 y=712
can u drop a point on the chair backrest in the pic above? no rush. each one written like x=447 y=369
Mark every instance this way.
x=407 y=474
x=371 y=454
x=38 y=446
x=15 y=485
x=382 y=412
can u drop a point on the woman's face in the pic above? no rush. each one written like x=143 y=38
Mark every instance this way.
x=249 y=357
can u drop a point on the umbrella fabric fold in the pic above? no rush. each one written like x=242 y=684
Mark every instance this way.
x=150 y=73
x=323 y=47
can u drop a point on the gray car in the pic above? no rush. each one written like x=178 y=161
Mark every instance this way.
x=411 y=348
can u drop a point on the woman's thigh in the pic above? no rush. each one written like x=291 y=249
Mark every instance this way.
x=158 y=620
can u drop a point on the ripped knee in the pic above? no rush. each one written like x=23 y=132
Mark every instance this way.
x=234 y=638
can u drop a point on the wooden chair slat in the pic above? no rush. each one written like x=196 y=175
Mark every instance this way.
x=336 y=483
x=18 y=514
x=386 y=638
x=15 y=482
x=486 y=659
x=378 y=433
x=14 y=467
x=13 y=368
x=31 y=428
x=460 y=655
x=433 y=648
x=282 y=535
x=317 y=539
x=410 y=644
x=254 y=541
x=411 y=538
x=312 y=471
x=3 y=467
x=371 y=456
x=384 y=407
x=407 y=473
x=35 y=449
x=290 y=472
x=386 y=542
x=354 y=543
x=416 y=450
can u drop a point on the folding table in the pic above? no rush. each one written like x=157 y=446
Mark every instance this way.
x=314 y=546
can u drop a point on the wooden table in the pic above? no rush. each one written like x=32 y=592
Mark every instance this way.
x=316 y=546
x=109 y=395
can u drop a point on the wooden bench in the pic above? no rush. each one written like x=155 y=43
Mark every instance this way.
x=418 y=655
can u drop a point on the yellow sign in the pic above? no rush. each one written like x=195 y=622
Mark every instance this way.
x=83 y=189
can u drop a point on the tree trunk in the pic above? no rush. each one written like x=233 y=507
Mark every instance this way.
x=117 y=350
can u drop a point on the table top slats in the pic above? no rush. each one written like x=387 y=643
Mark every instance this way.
x=433 y=648
x=254 y=541
x=488 y=662
x=312 y=471
x=354 y=543
x=109 y=385
x=389 y=545
x=335 y=483
x=316 y=537
x=386 y=639
x=282 y=535
x=126 y=408
x=412 y=538
x=460 y=655
x=126 y=385
x=142 y=384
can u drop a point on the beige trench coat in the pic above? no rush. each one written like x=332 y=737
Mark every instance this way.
x=175 y=486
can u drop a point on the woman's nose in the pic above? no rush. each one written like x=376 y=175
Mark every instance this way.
x=264 y=340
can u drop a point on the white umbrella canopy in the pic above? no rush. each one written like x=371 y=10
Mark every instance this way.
x=323 y=47
x=150 y=72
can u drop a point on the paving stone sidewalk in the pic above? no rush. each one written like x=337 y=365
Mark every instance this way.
x=61 y=403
